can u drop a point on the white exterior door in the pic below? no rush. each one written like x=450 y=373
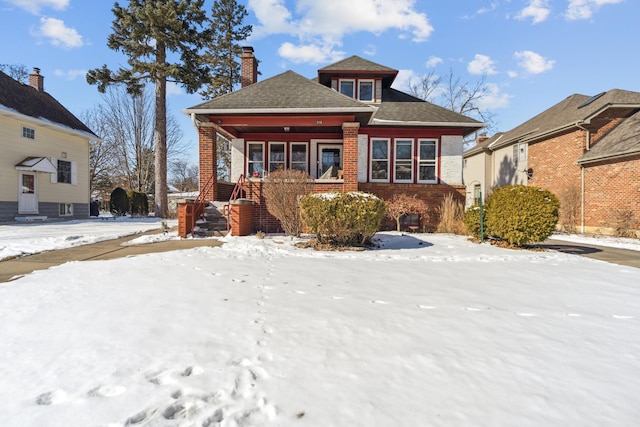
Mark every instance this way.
x=28 y=193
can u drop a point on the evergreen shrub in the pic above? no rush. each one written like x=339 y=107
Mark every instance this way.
x=342 y=219
x=520 y=214
x=472 y=221
x=119 y=203
x=138 y=203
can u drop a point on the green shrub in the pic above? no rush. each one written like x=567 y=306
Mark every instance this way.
x=342 y=219
x=119 y=203
x=472 y=221
x=138 y=203
x=520 y=214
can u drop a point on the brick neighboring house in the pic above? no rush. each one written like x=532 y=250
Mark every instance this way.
x=585 y=149
x=44 y=154
x=347 y=128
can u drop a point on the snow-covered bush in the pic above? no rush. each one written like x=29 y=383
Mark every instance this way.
x=520 y=214
x=342 y=219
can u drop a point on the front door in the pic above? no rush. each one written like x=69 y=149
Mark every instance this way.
x=28 y=193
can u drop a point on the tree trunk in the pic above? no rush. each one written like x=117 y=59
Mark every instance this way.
x=160 y=133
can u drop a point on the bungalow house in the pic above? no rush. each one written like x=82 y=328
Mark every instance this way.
x=585 y=149
x=44 y=161
x=347 y=128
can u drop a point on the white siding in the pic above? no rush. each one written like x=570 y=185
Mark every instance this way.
x=237 y=159
x=451 y=160
x=363 y=161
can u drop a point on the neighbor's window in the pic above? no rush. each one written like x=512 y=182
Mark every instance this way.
x=347 y=88
x=64 y=172
x=28 y=133
x=66 y=209
x=380 y=160
x=365 y=90
x=476 y=194
x=299 y=157
x=277 y=158
x=255 y=159
x=427 y=155
x=515 y=155
x=403 y=160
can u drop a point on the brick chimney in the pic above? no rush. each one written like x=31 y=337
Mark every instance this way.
x=36 y=80
x=481 y=138
x=249 y=67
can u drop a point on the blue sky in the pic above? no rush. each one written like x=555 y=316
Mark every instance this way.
x=534 y=52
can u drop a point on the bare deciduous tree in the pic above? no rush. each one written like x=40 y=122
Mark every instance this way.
x=402 y=204
x=17 y=72
x=282 y=192
x=184 y=176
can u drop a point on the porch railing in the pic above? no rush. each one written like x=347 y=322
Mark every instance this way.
x=235 y=195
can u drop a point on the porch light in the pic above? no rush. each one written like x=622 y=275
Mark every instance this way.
x=287 y=128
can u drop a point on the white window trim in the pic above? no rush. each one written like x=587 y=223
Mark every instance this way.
x=74 y=172
x=395 y=159
x=306 y=160
x=31 y=129
x=284 y=152
x=248 y=160
x=434 y=161
x=388 y=159
x=373 y=89
x=70 y=205
x=353 y=81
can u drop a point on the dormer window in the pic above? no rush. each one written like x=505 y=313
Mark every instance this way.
x=361 y=89
x=347 y=87
x=365 y=90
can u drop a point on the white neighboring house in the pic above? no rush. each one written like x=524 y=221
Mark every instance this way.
x=44 y=154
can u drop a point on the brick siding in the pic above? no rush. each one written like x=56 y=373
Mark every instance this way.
x=208 y=159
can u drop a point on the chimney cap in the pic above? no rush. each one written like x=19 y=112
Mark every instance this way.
x=36 y=70
x=247 y=49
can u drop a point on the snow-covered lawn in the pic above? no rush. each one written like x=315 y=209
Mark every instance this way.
x=427 y=330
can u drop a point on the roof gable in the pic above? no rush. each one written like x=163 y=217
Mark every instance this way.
x=28 y=101
x=570 y=111
x=356 y=63
x=623 y=140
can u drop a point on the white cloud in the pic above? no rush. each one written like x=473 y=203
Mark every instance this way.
x=433 y=61
x=34 y=6
x=583 y=9
x=481 y=64
x=533 y=63
x=310 y=53
x=59 y=34
x=512 y=74
x=70 y=74
x=370 y=50
x=404 y=79
x=322 y=25
x=493 y=99
x=538 y=11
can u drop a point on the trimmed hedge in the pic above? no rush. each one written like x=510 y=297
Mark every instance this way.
x=342 y=219
x=138 y=202
x=520 y=214
x=119 y=203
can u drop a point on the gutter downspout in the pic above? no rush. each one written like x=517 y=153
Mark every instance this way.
x=582 y=189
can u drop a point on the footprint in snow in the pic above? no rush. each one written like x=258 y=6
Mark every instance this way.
x=192 y=371
x=238 y=280
x=141 y=417
x=377 y=301
x=572 y=314
x=52 y=397
x=299 y=292
x=108 y=390
x=337 y=297
x=267 y=329
x=426 y=307
x=472 y=309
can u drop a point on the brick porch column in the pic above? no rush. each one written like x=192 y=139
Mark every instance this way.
x=208 y=159
x=350 y=156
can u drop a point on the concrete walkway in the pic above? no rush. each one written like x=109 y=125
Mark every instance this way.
x=626 y=257
x=109 y=249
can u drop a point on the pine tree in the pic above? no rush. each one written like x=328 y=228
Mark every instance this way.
x=151 y=33
x=223 y=49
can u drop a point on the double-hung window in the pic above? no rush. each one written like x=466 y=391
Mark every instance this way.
x=403 y=165
x=365 y=90
x=427 y=155
x=28 y=133
x=379 y=160
x=299 y=157
x=277 y=156
x=64 y=172
x=347 y=87
x=255 y=159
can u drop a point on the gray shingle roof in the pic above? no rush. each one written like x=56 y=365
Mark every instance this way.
x=355 y=63
x=40 y=105
x=623 y=140
x=286 y=90
x=566 y=113
x=399 y=106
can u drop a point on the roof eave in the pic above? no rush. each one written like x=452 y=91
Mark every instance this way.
x=46 y=123
x=606 y=157
x=323 y=110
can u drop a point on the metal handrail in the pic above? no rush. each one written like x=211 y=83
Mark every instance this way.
x=226 y=209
